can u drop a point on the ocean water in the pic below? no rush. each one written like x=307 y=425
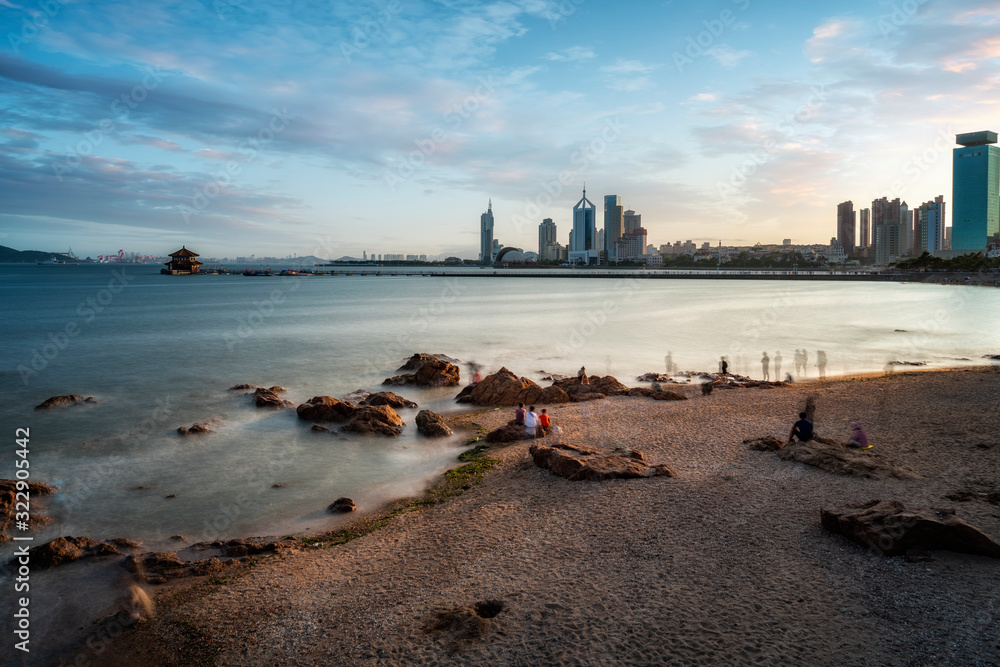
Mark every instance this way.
x=160 y=352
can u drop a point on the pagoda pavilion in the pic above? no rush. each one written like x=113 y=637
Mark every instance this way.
x=181 y=262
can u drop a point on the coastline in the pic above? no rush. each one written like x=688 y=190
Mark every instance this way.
x=571 y=558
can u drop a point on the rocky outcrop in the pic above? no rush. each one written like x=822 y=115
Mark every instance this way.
x=577 y=463
x=341 y=506
x=599 y=387
x=239 y=387
x=64 y=401
x=64 y=550
x=9 y=509
x=432 y=424
x=504 y=388
x=840 y=460
x=430 y=372
x=655 y=377
x=238 y=548
x=508 y=433
x=389 y=398
x=420 y=358
x=888 y=528
x=198 y=429
x=661 y=395
x=266 y=398
x=375 y=420
x=326 y=409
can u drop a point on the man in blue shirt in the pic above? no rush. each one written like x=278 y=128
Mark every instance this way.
x=803 y=429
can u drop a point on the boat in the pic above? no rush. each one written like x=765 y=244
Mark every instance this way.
x=50 y=262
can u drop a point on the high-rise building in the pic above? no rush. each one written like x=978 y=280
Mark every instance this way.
x=633 y=221
x=975 y=195
x=614 y=224
x=546 y=235
x=631 y=245
x=930 y=230
x=584 y=224
x=846 y=226
x=887 y=242
x=906 y=233
x=486 y=235
x=864 y=240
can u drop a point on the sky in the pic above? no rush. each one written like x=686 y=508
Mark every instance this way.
x=238 y=127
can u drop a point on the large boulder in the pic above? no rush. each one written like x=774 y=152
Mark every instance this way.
x=267 y=398
x=840 y=460
x=599 y=387
x=420 y=358
x=341 y=506
x=577 y=463
x=504 y=388
x=389 y=398
x=375 y=420
x=889 y=529
x=197 y=429
x=68 y=549
x=325 y=409
x=432 y=424
x=660 y=395
x=64 y=401
x=506 y=433
x=429 y=372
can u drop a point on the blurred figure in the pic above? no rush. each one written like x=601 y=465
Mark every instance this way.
x=723 y=366
x=777 y=364
x=668 y=361
x=582 y=374
x=821 y=363
x=805 y=363
x=765 y=362
x=859 y=439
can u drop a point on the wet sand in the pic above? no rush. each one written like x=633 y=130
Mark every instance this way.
x=725 y=564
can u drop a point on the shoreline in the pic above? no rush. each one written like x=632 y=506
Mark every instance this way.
x=579 y=427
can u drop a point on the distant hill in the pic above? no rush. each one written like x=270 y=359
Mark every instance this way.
x=11 y=255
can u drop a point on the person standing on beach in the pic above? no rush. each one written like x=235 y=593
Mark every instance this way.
x=668 y=361
x=723 y=366
x=777 y=364
x=519 y=414
x=764 y=363
x=805 y=362
x=530 y=422
x=821 y=363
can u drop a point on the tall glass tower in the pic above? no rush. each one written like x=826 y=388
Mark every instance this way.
x=486 y=235
x=584 y=224
x=614 y=223
x=975 y=194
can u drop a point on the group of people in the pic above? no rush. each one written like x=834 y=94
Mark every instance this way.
x=535 y=425
x=801 y=361
x=803 y=430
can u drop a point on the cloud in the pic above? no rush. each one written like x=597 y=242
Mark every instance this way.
x=573 y=54
x=727 y=56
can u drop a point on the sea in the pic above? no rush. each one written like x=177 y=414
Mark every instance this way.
x=158 y=352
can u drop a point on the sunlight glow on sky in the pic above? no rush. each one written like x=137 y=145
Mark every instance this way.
x=239 y=127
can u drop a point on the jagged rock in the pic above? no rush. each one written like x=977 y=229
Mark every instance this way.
x=325 y=409
x=430 y=373
x=195 y=429
x=505 y=388
x=63 y=401
x=389 y=398
x=580 y=463
x=766 y=444
x=432 y=424
x=507 y=433
x=375 y=420
x=341 y=505
x=889 y=529
x=419 y=359
x=840 y=460
x=239 y=387
x=265 y=398
x=64 y=550
x=657 y=395
x=599 y=387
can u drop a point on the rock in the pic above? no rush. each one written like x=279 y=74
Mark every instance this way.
x=599 y=387
x=840 y=460
x=888 y=528
x=375 y=420
x=504 y=388
x=64 y=550
x=356 y=396
x=195 y=429
x=179 y=538
x=153 y=562
x=125 y=543
x=706 y=388
x=430 y=373
x=417 y=360
x=243 y=386
x=389 y=398
x=205 y=567
x=278 y=485
x=265 y=398
x=766 y=444
x=341 y=505
x=90 y=399
x=580 y=463
x=507 y=433
x=61 y=401
x=432 y=424
x=325 y=409
x=654 y=377
x=277 y=389
x=657 y=395
x=319 y=428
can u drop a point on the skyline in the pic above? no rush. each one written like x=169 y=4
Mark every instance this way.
x=240 y=127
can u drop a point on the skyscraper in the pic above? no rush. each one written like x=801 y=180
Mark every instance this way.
x=845 y=226
x=546 y=235
x=633 y=221
x=486 y=235
x=865 y=231
x=930 y=232
x=614 y=224
x=975 y=194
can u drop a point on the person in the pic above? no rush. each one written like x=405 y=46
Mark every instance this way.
x=582 y=374
x=859 y=439
x=544 y=423
x=723 y=366
x=777 y=364
x=668 y=361
x=821 y=363
x=477 y=378
x=805 y=363
x=519 y=414
x=802 y=429
x=530 y=422
x=764 y=363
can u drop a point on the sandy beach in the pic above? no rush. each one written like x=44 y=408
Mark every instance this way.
x=726 y=563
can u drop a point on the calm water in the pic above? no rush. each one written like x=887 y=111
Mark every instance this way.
x=160 y=352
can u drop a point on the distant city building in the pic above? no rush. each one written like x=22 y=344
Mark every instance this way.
x=930 y=232
x=631 y=246
x=614 y=224
x=864 y=240
x=510 y=256
x=546 y=235
x=835 y=254
x=584 y=248
x=786 y=243
x=182 y=262
x=906 y=234
x=486 y=245
x=632 y=220
x=975 y=217
x=887 y=243
x=845 y=226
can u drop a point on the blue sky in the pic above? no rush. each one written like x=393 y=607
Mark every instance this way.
x=239 y=127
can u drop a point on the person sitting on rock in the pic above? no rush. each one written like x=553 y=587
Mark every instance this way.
x=530 y=422
x=544 y=423
x=582 y=374
x=802 y=429
x=519 y=414
x=859 y=439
